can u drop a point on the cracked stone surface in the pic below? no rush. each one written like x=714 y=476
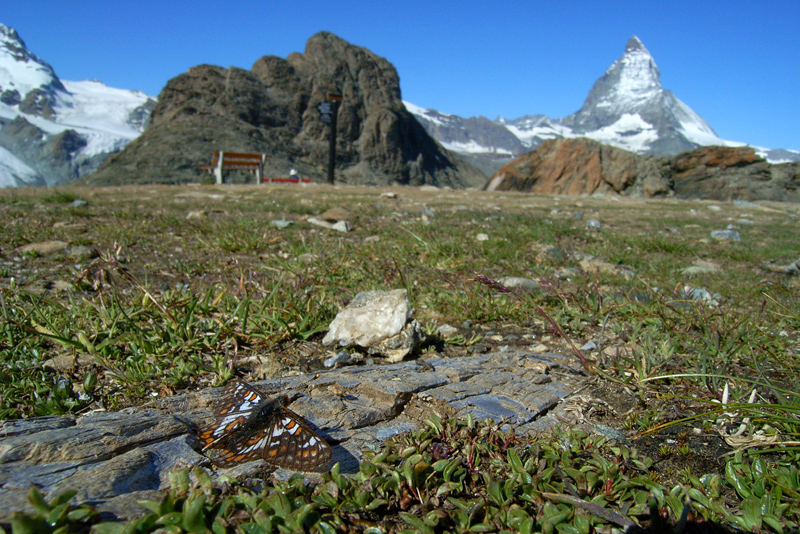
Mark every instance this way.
x=114 y=459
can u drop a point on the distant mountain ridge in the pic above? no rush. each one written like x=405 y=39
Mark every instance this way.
x=626 y=108
x=52 y=130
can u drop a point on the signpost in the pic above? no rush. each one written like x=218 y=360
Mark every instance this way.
x=327 y=114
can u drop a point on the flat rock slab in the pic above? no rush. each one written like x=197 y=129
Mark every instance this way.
x=114 y=458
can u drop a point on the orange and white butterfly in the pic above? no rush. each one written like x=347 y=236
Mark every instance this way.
x=249 y=425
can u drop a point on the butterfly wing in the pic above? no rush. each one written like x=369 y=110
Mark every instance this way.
x=249 y=425
x=240 y=401
x=293 y=444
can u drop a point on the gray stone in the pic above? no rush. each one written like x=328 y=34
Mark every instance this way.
x=446 y=330
x=594 y=224
x=525 y=285
x=378 y=321
x=95 y=436
x=341 y=358
x=726 y=235
x=496 y=407
x=43 y=247
x=700 y=295
x=280 y=224
x=34 y=425
x=196 y=214
x=793 y=268
x=82 y=252
x=702 y=267
x=397 y=347
x=341 y=226
x=114 y=458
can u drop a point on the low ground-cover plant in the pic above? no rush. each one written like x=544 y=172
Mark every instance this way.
x=463 y=476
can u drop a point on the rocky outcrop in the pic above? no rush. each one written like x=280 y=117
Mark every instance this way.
x=583 y=166
x=115 y=459
x=272 y=108
x=726 y=173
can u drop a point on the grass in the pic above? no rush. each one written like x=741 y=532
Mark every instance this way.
x=168 y=299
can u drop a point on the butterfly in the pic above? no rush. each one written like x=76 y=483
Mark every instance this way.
x=249 y=425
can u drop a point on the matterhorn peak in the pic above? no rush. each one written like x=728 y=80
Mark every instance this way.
x=628 y=107
x=635 y=45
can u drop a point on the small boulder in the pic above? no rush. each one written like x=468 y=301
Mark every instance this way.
x=379 y=321
x=43 y=247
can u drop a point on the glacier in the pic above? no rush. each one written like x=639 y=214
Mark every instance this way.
x=106 y=119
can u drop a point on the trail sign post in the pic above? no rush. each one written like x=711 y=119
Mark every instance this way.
x=327 y=114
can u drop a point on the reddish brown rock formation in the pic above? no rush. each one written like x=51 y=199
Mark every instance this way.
x=583 y=166
x=578 y=166
x=733 y=173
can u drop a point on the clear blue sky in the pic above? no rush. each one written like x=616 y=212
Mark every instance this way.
x=736 y=63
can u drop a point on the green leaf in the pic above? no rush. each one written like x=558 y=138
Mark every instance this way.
x=415 y=522
x=751 y=514
x=327 y=528
x=193 y=518
x=435 y=423
x=376 y=503
x=153 y=506
x=26 y=524
x=582 y=524
x=773 y=523
x=220 y=526
x=58 y=515
x=298 y=517
x=204 y=479
x=81 y=513
x=253 y=528
x=36 y=499
x=109 y=528
x=179 y=480
x=515 y=462
x=171 y=518
x=280 y=504
x=736 y=480
x=566 y=528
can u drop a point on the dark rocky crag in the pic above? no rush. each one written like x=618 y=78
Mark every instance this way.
x=272 y=108
x=584 y=166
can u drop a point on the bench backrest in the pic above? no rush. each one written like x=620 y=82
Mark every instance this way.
x=237 y=159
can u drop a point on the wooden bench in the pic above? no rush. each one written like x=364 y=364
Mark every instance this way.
x=253 y=163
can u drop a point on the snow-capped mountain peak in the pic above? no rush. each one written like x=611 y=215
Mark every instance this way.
x=627 y=107
x=631 y=78
x=22 y=71
x=53 y=131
